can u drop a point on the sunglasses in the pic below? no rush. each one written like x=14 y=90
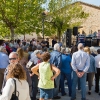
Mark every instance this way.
x=12 y=58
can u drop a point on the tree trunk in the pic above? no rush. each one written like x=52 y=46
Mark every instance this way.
x=24 y=37
x=12 y=33
x=59 y=34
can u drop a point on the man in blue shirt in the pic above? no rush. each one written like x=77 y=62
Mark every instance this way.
x=4 y=61
x=56 y=60
x=80 y=65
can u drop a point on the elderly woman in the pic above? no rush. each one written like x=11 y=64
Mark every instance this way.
x=65 y=72
x=91 y=71
x=93 y=51
x=17 y=73
x=46 y=77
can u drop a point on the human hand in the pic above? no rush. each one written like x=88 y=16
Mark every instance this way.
x=52 y=78
x=80 y=74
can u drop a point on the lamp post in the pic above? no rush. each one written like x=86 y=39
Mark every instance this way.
x=43 y=20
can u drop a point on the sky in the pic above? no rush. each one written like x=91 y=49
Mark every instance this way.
x=94 y=2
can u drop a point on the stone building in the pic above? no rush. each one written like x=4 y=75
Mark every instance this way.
x=92 y=23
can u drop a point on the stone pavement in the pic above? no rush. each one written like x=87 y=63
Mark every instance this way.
x=93 y=96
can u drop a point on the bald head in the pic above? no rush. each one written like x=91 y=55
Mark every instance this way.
x=13 y=54
x=80 y=46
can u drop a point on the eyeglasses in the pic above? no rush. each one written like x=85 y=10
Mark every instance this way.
x=12 y=58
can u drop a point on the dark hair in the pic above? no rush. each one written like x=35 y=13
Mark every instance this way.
x=18 y=41
x=30 y=48
x=74 y=49
x=1 y=42
x=45 y=56
x=45 y=49
x=98 y=51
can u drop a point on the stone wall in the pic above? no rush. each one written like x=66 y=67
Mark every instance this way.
x=92 y=23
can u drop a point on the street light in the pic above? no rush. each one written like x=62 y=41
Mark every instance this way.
x=43 y=19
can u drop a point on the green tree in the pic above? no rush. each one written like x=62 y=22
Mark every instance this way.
x=65 y=14
x=20 y=16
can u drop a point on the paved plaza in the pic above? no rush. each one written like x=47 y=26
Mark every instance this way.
x=93 y=96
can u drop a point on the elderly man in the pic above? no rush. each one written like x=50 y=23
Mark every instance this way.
x=56 y=60
x=13 y=58
x=35 y=58
x=4 y=61
x=80 y=64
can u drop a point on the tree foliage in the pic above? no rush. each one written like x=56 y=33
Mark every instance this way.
x=20 y=16
x=64 y=14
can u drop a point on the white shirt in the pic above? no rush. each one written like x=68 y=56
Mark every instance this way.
x=97 y=61
x=22 y=87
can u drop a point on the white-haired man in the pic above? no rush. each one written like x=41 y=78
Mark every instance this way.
x=14 y=58
x=80 y=64
x=56 y=60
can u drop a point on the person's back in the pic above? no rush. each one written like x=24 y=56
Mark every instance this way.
x=21 y=87
x=55 y=58
x=66 y=61
x=45 y=76
x=80 y=58
x=4 y=60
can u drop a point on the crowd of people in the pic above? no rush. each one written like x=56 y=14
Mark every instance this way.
x=49 y=70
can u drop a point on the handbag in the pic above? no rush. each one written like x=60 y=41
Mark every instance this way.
x=29 y=65
x=14 y=96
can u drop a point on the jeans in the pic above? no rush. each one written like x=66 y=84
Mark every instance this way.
x=56 y=90
x=34 y=86
x=82 y=84
x=79 y=87
x=69 y=81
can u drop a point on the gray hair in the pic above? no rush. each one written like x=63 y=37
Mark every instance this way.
x=80 y=46
x=2 y=48
x=93 y=50
x=37 y=51
x=67 y=50
x=39 y=47
x=13 y=53
x=63 y=50
x=57 y=47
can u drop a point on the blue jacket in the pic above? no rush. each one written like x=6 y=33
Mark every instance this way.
x=56 y=58
x=92 y=67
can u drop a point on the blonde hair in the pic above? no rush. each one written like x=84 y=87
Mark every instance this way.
x=16 y=71
x=93 y=50
x=87 y=50
x=20 y=53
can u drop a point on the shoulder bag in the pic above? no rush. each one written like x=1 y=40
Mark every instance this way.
x=14 y=96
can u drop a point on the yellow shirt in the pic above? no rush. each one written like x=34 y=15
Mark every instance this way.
x=45 y=73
